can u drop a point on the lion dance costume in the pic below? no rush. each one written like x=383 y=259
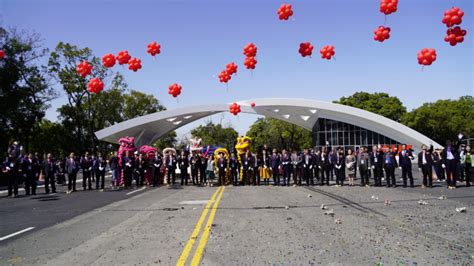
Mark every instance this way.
x=149 y=152
x=126 y=144
x=242 y=146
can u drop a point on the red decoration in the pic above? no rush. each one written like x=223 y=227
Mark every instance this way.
x=224 y=76
x=250 y=50
x=84 y=69
x=95 y=85
x=231 y=68
x=306 y=49
x=252 y=104
x=2 y=54
x=123 y=57
x=135 y=64
x=285 y=11
x=153 y=48
x=250 y=62
x=234 y=109
x=453 y=17
x=382 y=33
x=455 y=35
x=388 y=6
x=174 y=90
x=426 y=56
x=327 y=52
x=108 y=60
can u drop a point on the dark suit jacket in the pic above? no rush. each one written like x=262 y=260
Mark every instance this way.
x=49 y=167
x=428 y=158
x=405 y=161
x=379 y=156
x=72 y=167
x=392 y=160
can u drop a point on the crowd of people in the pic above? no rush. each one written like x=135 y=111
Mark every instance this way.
x=265 y=167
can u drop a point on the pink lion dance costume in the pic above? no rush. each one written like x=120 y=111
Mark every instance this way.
x=126 y=144
x=149 y=152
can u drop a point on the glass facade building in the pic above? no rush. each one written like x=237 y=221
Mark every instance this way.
x=340 y=134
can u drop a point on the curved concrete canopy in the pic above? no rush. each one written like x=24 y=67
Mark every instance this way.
x=302 y=112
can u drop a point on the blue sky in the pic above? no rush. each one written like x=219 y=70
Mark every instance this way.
x=199 y=38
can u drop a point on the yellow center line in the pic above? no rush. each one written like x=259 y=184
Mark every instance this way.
x=196 y=231
x=205 y=235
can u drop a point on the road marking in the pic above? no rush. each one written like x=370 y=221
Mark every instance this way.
x=196 y=231
x=137 y=190
x=194 y=202
x=16 y=233
x=205 y=235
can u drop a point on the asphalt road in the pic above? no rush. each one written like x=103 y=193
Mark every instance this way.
x=241 y=225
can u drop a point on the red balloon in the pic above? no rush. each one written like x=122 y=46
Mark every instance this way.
x=426 y=56
x=95 y=85
x=174 y=90
x=135 y=64
x=382 y=33
x=2 y=54
x=285 y=11
x=250 y=62
x=455 y=35
x=327 y=52
x=453 y=17
x=231 y=68
x=108 y=60
x=84 y=69
x=388 y=6
x=306 y=49
x=123 y=57
x=234 y=109
x=250 y=50
x=252 y=104
x=153 y=48
x=224 y=76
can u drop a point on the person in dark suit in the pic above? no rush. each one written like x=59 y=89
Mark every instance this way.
x=339 y=167
x=274 y=165
x=325 y=167
x=127 y=165
x=202 y=164
x=94 y=167
x=114 y=167
x=183 y=162
x=286 y=165
x=9 y=171
x=389 y=164
x=101 y=163
x=256 y=164
x=317 y=164
x=72 y=167
x=29 y=168
x=171 y=168
x=332 y=160
x=86 y=166
x=363 y=160
x=246 y=168
x=451 y=158
x=425 y=165
x=405 y=157
x=157 y=164
x=296 y=167
x=140 y=166
x=221 y=166
x=194 y=168
x=307 y=166
x=49 y=170
x=234 y=166
x=376 y=162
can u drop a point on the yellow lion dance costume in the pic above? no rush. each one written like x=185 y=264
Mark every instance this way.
x=224 y=151
x=242 y=146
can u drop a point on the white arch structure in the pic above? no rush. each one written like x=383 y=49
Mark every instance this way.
x=302 y=112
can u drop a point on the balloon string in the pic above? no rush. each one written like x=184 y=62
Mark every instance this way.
x=422 y=68
x=251 y=73
x=227 y=87
x=385 y=20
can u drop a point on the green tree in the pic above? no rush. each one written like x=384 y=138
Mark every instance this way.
x=379 y=103
x=215 y=134
x=443 y=119
x=279 y=134
x=50 y=137
x=168 y=140
x=24 y=90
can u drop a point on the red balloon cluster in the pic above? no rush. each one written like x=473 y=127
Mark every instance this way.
x=153 y=48
x=250 y=62
x=306 y=49
x=174 y=90
x=224 y=76
x=388 y=6
x=234 y=109
x=123 y=57
x=108 y=60
x=95 y=85
x=327 y=52
x=250 y=50
x=455 y=35
x=426 y=56
x=231 y=68
x=134 y=64
x=252 y=104
x=84 y=69
x=453 y=17
x=2 y=54
x=285 y=12
x=382 y=33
